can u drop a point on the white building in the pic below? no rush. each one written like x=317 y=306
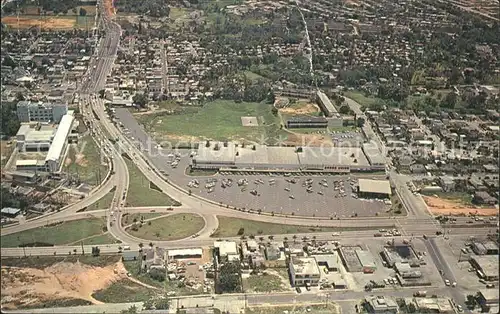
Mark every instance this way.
x=304 y=271
x=55 y=155
x=227 y=250
x=30 y=111
x=34 y=137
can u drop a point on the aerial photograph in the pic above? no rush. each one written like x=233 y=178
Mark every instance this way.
x=250 y=156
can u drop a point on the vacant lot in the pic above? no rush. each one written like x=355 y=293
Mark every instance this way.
x=103 y=203
x=263 y=283
x=63 y=233
x=173 y=227
x=41 y=262
x=139 y=193
x=299 y=309
x=124 y=291
x=218 y=120
x=84 y=160
x=50 y=22
x=229 y=227
x=360 y=98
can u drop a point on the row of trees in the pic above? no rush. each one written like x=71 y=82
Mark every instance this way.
x=9 y=121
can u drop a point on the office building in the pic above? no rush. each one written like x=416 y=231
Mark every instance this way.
x=40 y=112
x=304 y=271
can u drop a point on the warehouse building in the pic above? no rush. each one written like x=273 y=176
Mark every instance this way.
x=304 y=271
x=486 y=265
x=31 y=165
x=367 y=261
x=57 y=150
x=40 y=112
x=325 y=104
x=485 y=248
x=374 y=156
x=488 y=300
x=184 y=253
x=238 y=157
x=374 y=188
x=306 y=122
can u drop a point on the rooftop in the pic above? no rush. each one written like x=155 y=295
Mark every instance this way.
x=226 y=247
x=305 y=266
x=56 y=149
x=488 y=264
x=375 y=186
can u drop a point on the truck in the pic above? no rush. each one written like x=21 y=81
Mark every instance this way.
x=421 y=294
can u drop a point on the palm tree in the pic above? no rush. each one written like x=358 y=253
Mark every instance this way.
x=261 y=239
x=285 y=239
x=271 y=237
x=140 y=246
x=294 y=238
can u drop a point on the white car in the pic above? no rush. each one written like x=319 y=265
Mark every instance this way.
x=447 y=282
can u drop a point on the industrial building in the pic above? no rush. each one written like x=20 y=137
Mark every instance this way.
x=486 y=265
x=325 y=104
x=374 y=156
x=184 y=253
x=56 y=152
x=239 y=157
x=488 y=300
x=485 y=248
x=304 y=271
x=367 y=261
x=374 y=188
x=406 y=271
x=402 y=253
x=306 y=122
x=40 y=112
x=10 y=212
x=35 y=137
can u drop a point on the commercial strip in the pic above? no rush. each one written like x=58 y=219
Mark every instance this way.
x=239 y=157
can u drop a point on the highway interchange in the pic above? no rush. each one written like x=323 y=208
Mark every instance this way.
x=418 y=222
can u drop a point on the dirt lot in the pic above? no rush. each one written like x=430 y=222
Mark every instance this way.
x=307 y=139
x=439 y=206
x=46 y=23
x=307 y=108
x=29 y=286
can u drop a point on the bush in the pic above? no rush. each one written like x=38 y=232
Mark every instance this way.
x=241 y=231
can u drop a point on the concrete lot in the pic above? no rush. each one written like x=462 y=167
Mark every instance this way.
x=269 y=198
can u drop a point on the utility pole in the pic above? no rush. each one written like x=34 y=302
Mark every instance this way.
x=83 y=252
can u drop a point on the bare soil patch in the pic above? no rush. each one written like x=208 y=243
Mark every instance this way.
x=45 y=23
x=30 y=286
x=439 y=206
x=305 y=109
x=307 y=139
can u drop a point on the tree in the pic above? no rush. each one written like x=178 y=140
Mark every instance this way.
x=162 y=304
x=83 y=12
x=157 y=274
x=229 y=278
x=360 y=122
x=344 y=109
x=140 y=100
x=450 y=100
x=241 y=231
x=470 y=302
x=101 y=93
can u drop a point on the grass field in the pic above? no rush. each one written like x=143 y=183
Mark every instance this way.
x=128 y=219
x=139 y=193
x=229 y=227
x=99 y=239
x=66 y=232
x=84 y=159
x=55 y=303
x=360 y=98
x=173 y=227
x=103 y=203
x=124 y=291
x=262 y=283
x=218 y=120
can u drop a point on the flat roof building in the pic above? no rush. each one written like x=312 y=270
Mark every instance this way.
x=10 y=211
x=374 y=188
x=232 y=156
x=34 y=137
x=40 y=112
x=31 y=165
x=488 y=300
x=433 y=305
x=325 y=104
x=227 y=250
x=304 y=271
x=306 y=122
x=184 y=253
x=487 y=265
x=380 y=304
x=367 y=261
x=332 y=262
x=59 y=144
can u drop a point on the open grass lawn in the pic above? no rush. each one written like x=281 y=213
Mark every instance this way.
x=217 y=120
x=84 y=160
x=124 y=291
x=229 y=227
x=360 y=98
x=311 y=309
x=173 y=227
x=103 y=203
x=99 y=239
x=262 y=283
x=41 y=262
x=128 y=219
x=252 y=76
x=63 y=233
x=51 y=303
x=139 y=193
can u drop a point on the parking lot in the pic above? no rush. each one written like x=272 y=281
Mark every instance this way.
x=305 y=195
